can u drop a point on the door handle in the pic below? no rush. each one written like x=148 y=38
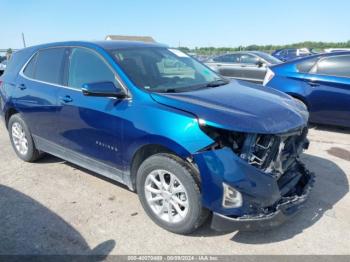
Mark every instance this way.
x=22 y=86
x=66 y=99
x=311 y=83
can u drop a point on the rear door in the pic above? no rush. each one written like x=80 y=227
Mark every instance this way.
x=251 y=69
x=228 y=65
x=90 y=126
x=329 y=99
x=36 y=92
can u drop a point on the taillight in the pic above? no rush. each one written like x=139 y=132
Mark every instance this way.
x=269 y=75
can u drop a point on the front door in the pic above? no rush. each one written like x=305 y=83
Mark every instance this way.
x=230 y=66
x=90 y=126
x=252 y=70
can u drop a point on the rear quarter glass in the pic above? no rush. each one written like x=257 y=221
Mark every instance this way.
x=15 y=64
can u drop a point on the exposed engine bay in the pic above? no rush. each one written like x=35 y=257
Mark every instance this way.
x=273 y=154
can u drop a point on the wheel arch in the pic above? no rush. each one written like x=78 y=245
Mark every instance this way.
x=299 y=97
x=9 y=112
x=146 y=150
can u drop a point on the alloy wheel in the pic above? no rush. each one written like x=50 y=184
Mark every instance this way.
x=19 y=138
x=166 y=196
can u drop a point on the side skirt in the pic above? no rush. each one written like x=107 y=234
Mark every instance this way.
x=83 y=161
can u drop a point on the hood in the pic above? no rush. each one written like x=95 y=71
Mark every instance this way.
x=240 y=106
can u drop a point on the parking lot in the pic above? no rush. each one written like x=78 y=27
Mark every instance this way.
x=53 y=207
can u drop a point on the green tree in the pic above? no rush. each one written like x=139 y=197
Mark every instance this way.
x=268 y=48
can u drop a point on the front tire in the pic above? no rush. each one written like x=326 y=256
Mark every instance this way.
x=169 y=192
x=21 y=139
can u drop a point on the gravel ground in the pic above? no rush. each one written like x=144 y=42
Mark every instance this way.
x=53 y=207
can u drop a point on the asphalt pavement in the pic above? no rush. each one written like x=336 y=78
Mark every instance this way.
x=54 y=207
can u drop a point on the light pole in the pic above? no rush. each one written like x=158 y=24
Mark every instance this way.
x=24 y=41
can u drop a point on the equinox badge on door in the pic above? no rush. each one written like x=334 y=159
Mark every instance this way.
x=104 y=145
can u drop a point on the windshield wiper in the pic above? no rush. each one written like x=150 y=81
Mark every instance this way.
x=170 y=90
x=218 y=82
x=215 y=83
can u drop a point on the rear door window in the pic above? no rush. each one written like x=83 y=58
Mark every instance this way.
x=230 y=58
x=218 y=59
x=334 y=66
x=49 y=65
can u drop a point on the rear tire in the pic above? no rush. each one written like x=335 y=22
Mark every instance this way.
x=21 y=139
x=169 y=192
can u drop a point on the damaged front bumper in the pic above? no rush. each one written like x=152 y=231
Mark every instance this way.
x=268 y=200
x=274 y=216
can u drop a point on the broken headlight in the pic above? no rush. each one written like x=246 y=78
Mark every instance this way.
x=270 y=153
x=224 y=138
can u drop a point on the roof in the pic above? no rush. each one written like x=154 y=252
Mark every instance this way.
x=316 y=56
x=245 y=52
x=125 y=44
x=107 y=45
x=147 y=39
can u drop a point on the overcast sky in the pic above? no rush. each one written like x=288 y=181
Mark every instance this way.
x=188 y=22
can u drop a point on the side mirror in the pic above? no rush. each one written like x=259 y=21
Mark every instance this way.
x=103 y=89
x=260 y=63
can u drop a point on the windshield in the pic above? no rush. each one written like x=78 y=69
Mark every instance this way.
x=269 y=58
x=162 y=69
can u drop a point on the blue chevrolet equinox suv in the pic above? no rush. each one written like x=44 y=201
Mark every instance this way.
x=190 y=143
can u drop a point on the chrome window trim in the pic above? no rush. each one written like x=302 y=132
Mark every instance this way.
x=117 y=77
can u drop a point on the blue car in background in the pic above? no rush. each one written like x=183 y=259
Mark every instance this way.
x=189 y=142
x=291 y=53
x=321 y=82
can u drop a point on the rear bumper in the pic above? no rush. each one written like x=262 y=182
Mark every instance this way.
x=285 y=209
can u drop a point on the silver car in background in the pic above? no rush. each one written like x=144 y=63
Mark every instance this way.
x=250 y=66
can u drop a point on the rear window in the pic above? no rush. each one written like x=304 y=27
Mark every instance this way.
x=305 y=66
x=15 y=63
x=334 y=66
x=47 y=65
